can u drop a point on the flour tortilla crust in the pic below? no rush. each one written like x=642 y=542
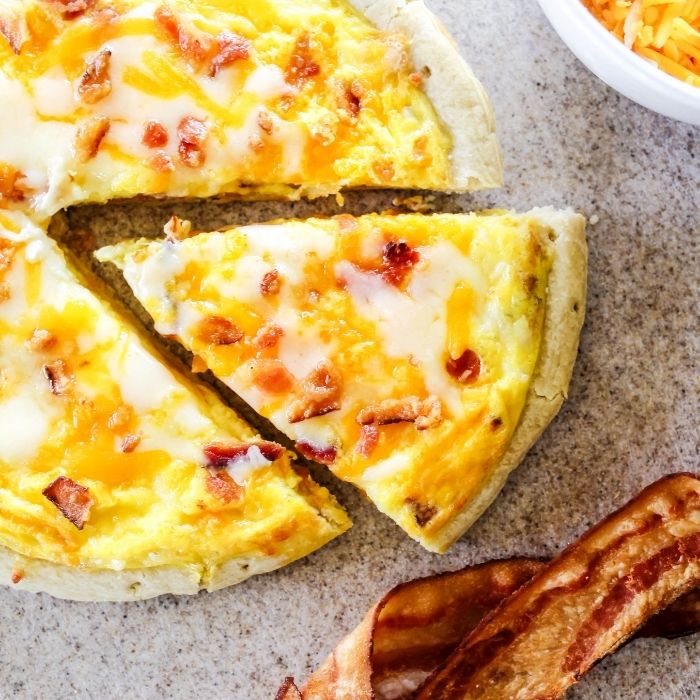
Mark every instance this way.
x=564 y=316
x=457 y=96
x=86 y=584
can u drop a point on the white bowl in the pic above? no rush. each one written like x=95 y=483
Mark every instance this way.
x=620 y=67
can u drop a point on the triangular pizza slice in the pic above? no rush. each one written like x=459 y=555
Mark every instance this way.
x=417 y=356
x=120 y=479
x=194 y=98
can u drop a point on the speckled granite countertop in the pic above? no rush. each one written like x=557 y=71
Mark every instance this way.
x=632 y=414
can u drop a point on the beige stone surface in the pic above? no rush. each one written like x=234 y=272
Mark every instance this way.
x=632 y=414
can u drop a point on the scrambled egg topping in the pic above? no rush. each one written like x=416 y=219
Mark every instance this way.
x=398 y=350
x=111 y=461
x=204 y=98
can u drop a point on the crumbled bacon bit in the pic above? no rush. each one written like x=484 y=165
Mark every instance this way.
x=12 y=30
x=424 y=414
x=216 y=330
x=369 y=437
x=161 y=162
x=41 y=340
x=120 y=418
x=95 y=83
x=221 y=454
x=422 y=512
x=270 y=284
x=268 y=336
x=191 y=134
x=301 y=66
x=130 y=443
x=350 y=99
x=320 y=394
x=89 y=137
x=155 y=135
x=221 y=485
x=496 y=423
x=416 y=79
x=72 y=499
x=322 y=455
x=74 y=8
x=11 y=186
x=398 y=259
x=272 y=376
x=177 y=229
x=230 y=48
x=195 y=47
x=466 y=368
x=59 y=379
x=384 y=169
x=16 y=575
x=265 y=122
x=7 y=255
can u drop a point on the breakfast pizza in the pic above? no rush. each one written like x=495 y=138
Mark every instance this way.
x=119 y=478
x=122 y=478
x=266 y=99
x=417 y=356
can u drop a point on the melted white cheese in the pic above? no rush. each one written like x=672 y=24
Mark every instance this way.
x=413 y=323
x=25 y=422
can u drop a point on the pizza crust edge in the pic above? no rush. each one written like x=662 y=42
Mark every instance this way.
x=564 y=317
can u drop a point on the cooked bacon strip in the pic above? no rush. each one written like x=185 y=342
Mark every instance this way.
x=57 y=374
x=215 y=330
x=320 y=394
x=191 y=134
x=590 y=599
x=95 y=83
x=677 y=620
x=89 y=137
x=221 y=454
x=415 y=627
x=424 y=414
x=72 y=499
x=302 y=66
x=230 y=48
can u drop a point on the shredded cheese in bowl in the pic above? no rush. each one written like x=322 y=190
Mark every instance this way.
x=666 y=32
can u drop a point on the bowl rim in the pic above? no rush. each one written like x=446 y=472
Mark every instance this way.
x=581 y=13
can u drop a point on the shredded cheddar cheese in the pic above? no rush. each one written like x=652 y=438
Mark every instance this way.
x=667 y=33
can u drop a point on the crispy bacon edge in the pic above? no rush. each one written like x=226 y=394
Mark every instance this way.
x=415 y=627
x=627 y=591
x=73 y=500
